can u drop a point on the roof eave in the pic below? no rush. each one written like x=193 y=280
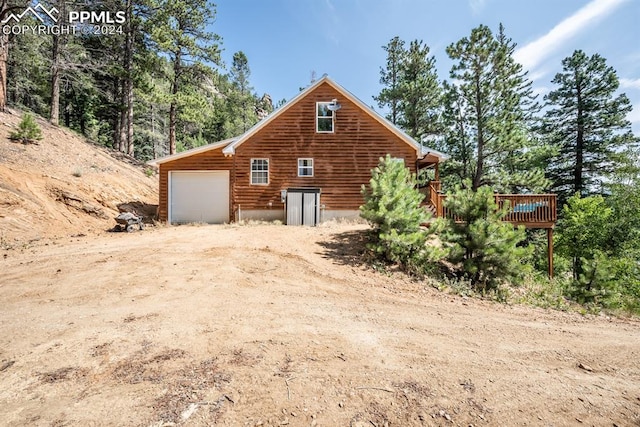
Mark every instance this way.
x=191 y=152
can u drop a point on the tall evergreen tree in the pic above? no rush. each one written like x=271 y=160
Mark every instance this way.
x=490 y=105
x=390 y=78
x=28 y=71
x=412 y=91
x=587 y=123
x=6 y=7
x=420 y=92
x=180 y=31
x=242 y=101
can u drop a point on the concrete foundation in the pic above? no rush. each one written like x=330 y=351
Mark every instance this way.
x=280 y=215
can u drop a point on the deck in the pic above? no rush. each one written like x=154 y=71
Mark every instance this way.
x=529 y=210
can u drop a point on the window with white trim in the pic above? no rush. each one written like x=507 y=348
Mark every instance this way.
x=305 y=167
x=259 y=171
x=324 y=118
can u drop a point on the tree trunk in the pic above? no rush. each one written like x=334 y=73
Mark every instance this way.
x=173 y=108
x=577 y=172
x=477 y=179
x=59 y=42
x=116 y=117
x=128 y=87
x=123 y=117
x=67 y=108
x=55 y=81
x=4 y=55
x=394 y=89
x=130 y=143
x=172 y=126
x=5 y=9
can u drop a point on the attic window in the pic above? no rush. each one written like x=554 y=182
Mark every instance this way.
x=324 y=118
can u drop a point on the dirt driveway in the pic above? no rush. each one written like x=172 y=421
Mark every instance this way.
x=273 y=325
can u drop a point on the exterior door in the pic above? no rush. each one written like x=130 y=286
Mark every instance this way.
x=303 y=206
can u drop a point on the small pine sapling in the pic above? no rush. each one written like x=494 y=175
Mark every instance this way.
x=483 y=248
x=393 y=209
x=28 y=131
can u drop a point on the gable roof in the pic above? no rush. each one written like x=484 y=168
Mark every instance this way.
x=231 y=144
x=420 y=149
x=191 y=152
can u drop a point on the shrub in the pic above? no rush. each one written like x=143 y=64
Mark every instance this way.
x=28 y=130
x=584 y=229
x=393 y=209
x=482 y=248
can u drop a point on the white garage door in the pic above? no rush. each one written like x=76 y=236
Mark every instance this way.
x=198 y=196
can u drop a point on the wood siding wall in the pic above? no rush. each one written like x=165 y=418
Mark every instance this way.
x=209 y=160
x=342 y=160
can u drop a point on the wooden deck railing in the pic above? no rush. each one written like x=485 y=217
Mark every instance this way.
x=530 y=210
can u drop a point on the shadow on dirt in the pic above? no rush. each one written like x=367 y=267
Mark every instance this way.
x=346 y=248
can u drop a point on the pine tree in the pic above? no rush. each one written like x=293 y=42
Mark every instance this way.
x=242 y=102
x=6 y=7
x=490 y=108
x=420 y=92
x=482 y=247
x=587 y=123
x=390 y=77
x=393 y=208
x=28 y=73
x=180 y=31
x=28 y=130
x=412 y=91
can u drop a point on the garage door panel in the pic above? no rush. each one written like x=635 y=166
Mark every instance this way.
x=199 y=196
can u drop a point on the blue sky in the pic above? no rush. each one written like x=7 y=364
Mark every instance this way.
x=286 y=40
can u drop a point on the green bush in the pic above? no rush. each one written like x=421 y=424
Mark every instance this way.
x=605 y=262
x=584 y=229
x=28 y=130
x=393 y=209
x=481 y=247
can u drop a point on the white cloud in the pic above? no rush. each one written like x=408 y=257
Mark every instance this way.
x=532 y=54
x=630 y=83
x=477 y=6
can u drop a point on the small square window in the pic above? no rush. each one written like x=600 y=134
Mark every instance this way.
x=259 y=171
x=324 y=118
x=305 y=167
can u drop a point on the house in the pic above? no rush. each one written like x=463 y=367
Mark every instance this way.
x=303 y=164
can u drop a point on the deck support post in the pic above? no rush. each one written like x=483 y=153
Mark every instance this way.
x=550 y=251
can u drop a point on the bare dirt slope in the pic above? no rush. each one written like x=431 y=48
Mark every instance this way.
x=64 y=185
x=275 y=325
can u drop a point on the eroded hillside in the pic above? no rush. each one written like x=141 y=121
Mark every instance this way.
x=64 y=185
